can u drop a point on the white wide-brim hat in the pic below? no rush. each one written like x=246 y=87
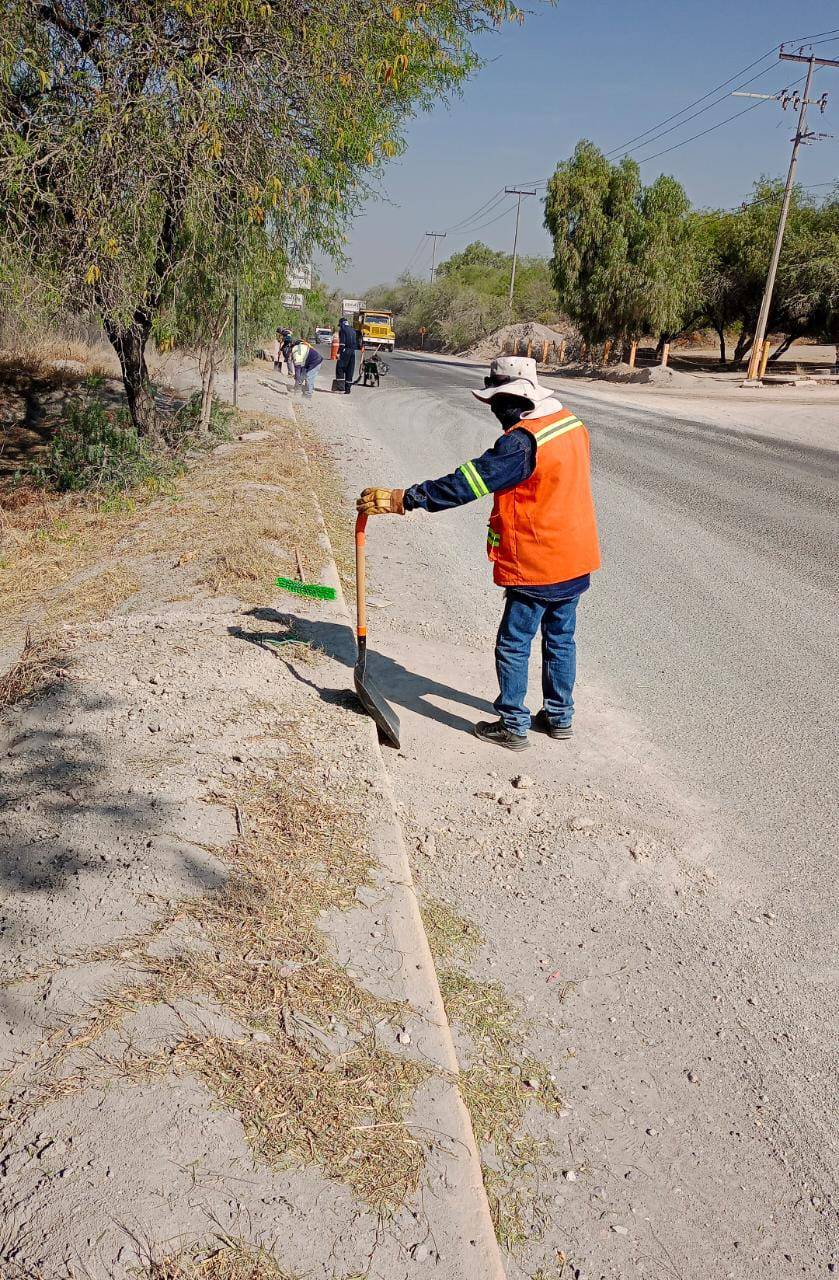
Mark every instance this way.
x=513 y=376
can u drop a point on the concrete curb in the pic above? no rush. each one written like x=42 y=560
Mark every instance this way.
x=463 y=1226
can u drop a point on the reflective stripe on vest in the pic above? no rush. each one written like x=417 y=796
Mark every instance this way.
x=556 y=429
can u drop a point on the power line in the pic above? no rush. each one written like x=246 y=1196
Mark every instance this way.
x=704 y=132
x=422 y=241
x=663 y=133
x=464 y=225
x=484 y=208
x=505 y=213
x=695 y=103
x=719 y=88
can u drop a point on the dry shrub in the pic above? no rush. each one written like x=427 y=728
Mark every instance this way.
x=236 y=516
x=33 y=671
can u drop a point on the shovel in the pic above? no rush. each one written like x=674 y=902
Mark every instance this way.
x=387 y=721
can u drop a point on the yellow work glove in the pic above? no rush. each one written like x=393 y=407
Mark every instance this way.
x=381 y=502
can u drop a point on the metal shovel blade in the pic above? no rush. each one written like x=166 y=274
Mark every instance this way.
x=375 y=704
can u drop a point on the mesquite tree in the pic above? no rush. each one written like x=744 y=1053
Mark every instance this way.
x=122 y=124
x=623 y=260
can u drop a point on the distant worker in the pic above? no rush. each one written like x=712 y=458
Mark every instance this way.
x=307 y=360
x=542 y=541
x=287 y=344
x=349 y=341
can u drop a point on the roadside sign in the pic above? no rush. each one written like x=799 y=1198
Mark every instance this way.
x=350 y=305
x=299 y=277
x=294 y=300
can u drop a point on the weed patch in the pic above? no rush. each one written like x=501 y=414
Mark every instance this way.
x=95 y=448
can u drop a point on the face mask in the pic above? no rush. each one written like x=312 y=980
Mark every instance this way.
x=509 y=410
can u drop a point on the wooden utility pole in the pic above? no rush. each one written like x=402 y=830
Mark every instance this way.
x=435 y=236
x=514 y=191
x=802 y=134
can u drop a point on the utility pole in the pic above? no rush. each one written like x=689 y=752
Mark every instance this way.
x=514 y=191
x=802 y=135
x=235 y=344
x=435 y=236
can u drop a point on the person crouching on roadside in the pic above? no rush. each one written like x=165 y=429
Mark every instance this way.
x=542 y=540
x=307 y=360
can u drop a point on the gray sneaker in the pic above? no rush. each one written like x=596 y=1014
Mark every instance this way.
x=496 y=731
x=542 y=724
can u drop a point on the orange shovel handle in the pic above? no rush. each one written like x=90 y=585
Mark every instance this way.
x=360 y=576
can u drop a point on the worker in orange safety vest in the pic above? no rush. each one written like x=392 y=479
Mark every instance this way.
x=542 y=540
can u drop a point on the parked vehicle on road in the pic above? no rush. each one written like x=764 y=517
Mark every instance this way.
x=323 y=334
x=376 y=329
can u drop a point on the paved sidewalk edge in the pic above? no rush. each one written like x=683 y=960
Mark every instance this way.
x=390 y=841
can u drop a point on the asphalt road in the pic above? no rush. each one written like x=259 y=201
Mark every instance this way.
x=714 y=620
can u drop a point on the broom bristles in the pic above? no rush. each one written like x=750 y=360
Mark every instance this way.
x=312 y=589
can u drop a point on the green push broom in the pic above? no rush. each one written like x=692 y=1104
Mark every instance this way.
x=312 y=590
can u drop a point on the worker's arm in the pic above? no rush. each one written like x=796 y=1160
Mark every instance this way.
x=510 y=460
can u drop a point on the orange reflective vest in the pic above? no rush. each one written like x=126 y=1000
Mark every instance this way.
x=543 y=530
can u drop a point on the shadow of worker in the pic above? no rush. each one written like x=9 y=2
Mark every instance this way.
x=407 y=688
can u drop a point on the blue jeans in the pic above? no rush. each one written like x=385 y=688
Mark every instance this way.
x=309 y=377
x=522 y=618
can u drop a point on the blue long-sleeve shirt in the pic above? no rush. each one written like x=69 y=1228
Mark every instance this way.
x=510 y=461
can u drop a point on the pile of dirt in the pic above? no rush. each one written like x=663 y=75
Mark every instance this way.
x=493 y=345
x=655 y=375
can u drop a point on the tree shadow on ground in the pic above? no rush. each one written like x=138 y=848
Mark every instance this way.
x=405 y=688
x=82 y=834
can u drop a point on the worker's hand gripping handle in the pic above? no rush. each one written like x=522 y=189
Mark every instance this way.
x=360 y=581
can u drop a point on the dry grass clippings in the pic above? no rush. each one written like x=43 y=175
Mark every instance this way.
x=307 y=1078
x=450 y=936
x=46 y=540
x=497 y=1088
x=226 y=1260
x=35 y=669
x=239 y=518
x=94 y=598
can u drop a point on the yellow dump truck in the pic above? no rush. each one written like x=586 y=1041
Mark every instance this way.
x=376 y=328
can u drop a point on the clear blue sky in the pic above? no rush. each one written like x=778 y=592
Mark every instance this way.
x=608 y=71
